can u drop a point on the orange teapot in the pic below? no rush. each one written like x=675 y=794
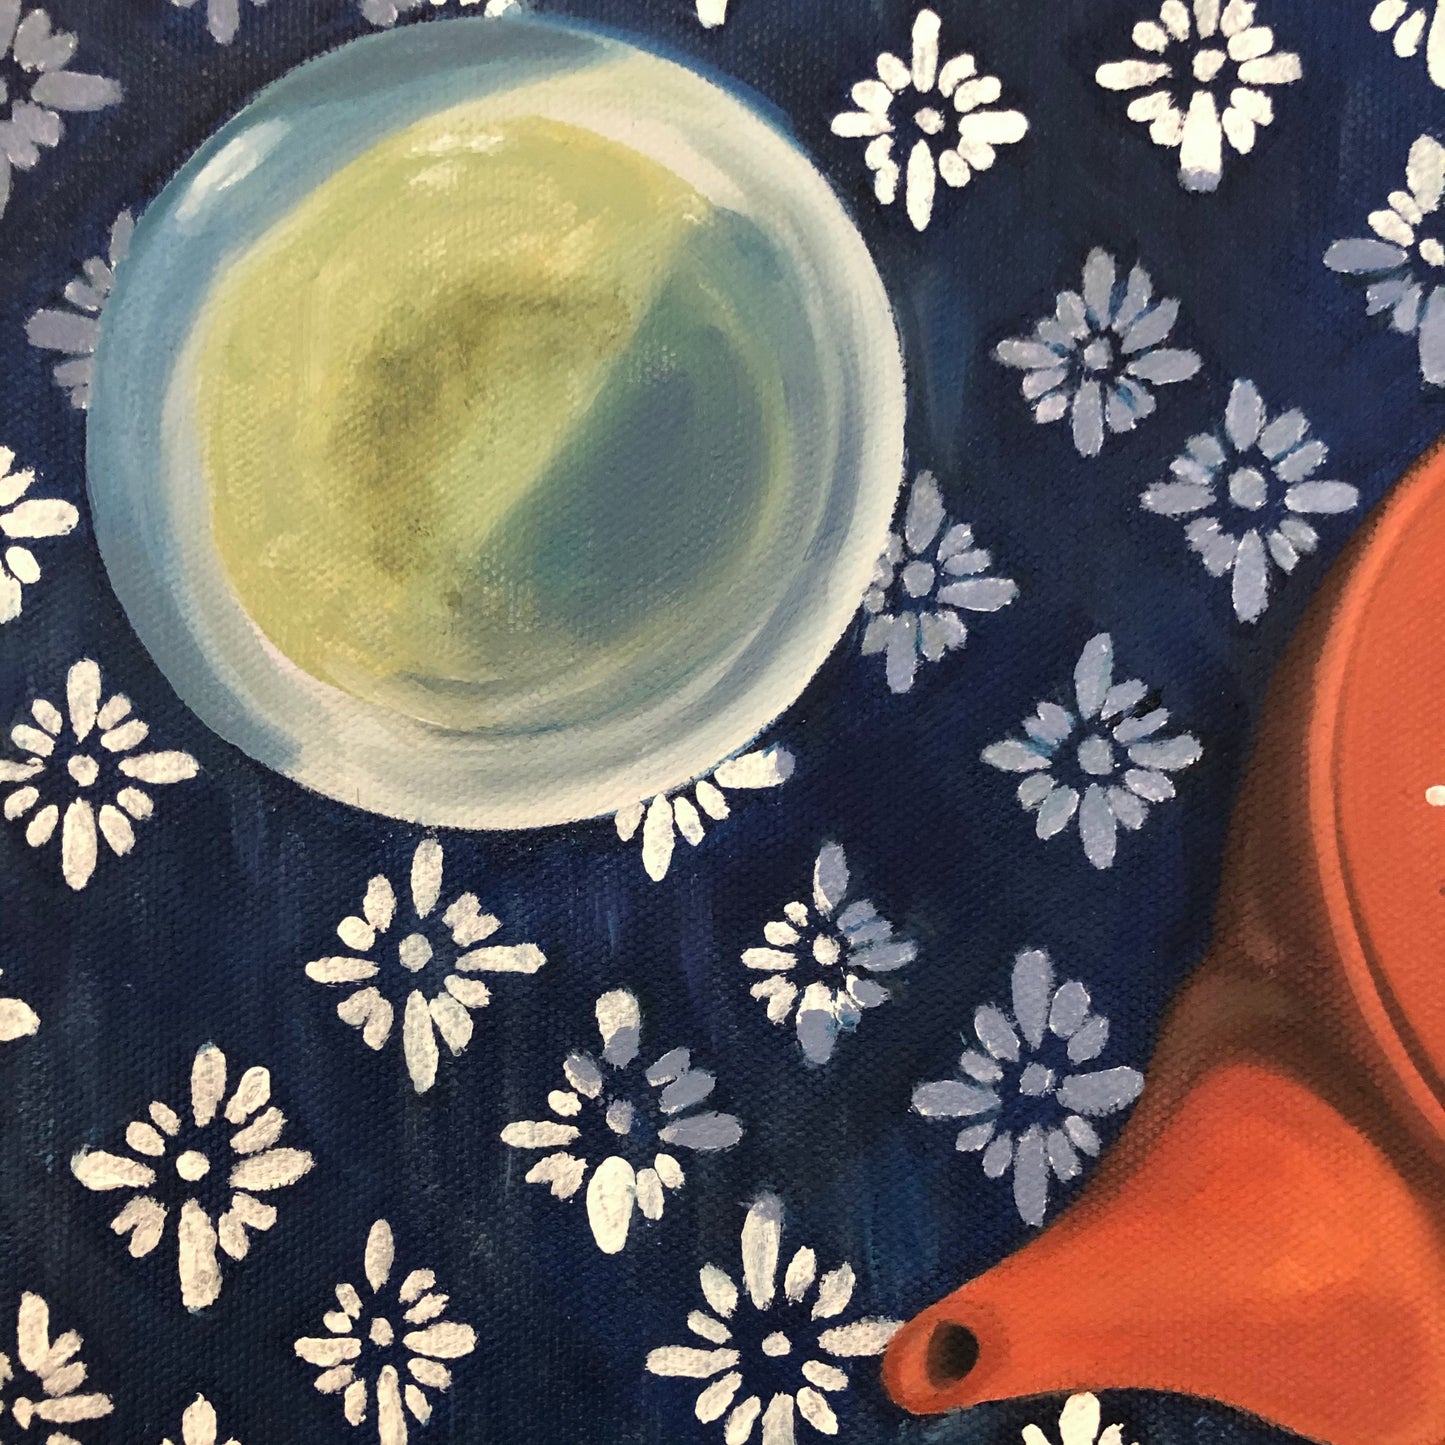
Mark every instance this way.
x=1269 y=1229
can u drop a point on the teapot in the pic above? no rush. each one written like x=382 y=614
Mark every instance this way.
x=1269 y=1228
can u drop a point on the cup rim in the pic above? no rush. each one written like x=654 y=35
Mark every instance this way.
x=151 y=518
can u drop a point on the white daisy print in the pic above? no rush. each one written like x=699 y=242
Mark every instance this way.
x=37 y=86
x=1026 y=1098
x=199 y=1425
x=1078 y=1425
x=1403 y=263
x=824 y=959
x=925 y=120
x=712 y=13
x=1206 y=74
x=1406 y=21
x=1105 y=761
x=1096 y=357
x=383 y=1353
x=71 y=764
x=388 y=12
x=211 y=1161
x=782 y=1355
x=666 y=818
x=17 y=1019
x=930 y=574
x=1249 y=491
x=74 y=330
x=630 y=1115
x=54 y=1365
x=425 y=955
x=24 y=518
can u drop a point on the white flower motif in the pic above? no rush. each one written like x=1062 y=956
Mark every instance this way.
x=1407 y=18
x=1078 y=1425
x=217 y=1205
x=432 y=960
x=36 y=86
x=102 y=731
x=1027 y=1101
x=74 y=330
x=58 y=1374
x=712 y=13
x=1406 y=266
x=623 y=1109
x=1097 y=356
x=1203 y=56
x=1071 y=757
x=1435 y=795
x=665 y=817
x=17 y=1019
x=388 y=12
x=929 y=574
x=361 y=1352
x=842 y=948
x=198 y=1424
x=223 y=19
x=25 y=518
x=923 y=92
x=775 y=1351
x=1233 y=471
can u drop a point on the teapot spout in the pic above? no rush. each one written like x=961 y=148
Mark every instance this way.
x=1251 y=1239
x=1269 y=1229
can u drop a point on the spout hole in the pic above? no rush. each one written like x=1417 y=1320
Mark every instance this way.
x=952 y=1353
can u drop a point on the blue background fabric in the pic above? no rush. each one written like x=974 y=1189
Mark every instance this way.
x=241 y=878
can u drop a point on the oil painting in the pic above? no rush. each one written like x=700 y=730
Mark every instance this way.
x=722 y=722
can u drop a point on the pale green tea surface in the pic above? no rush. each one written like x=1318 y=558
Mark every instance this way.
x=484 y=426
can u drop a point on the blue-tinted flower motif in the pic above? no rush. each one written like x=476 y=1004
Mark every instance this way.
x=1404 y=262
x=73 y=330
x=929 y=575
x=1106 y=762
x=37 y=86
x=827 y=953
x=1096 y=357
x=388 y=12
x=223 y=17
x=631 y=1115
x=1026 y=1096
x=1249 y=490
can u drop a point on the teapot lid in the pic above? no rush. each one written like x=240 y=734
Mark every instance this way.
x=1376 y=778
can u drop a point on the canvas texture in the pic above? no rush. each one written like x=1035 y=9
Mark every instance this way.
x=182 y=938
